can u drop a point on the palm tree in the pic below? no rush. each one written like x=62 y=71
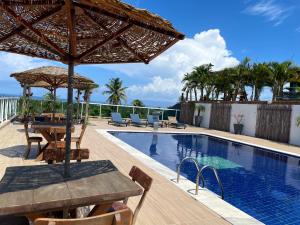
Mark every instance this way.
x=241 y=74
x=202 y=76
x=259 y=78
x=138 y=102
x=188 y=86
x=281 y=74
x=115 y=91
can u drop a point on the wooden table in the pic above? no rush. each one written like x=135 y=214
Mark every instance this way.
x=42 y=188
x=45 y=129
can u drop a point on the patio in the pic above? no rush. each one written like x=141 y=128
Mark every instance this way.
x=165 y=200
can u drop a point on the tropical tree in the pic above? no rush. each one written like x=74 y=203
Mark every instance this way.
x=188 y=86
x=50 y=102
x=281 y=73
x=203 y=75
x=240 y=75
x=137 y=102
x=259 y=78
x=115 y=91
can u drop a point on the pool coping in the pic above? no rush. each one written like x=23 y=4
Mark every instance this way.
x=208 y=198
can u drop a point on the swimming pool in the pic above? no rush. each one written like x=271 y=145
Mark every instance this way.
x=262 y=183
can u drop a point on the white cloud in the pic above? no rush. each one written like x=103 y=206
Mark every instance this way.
x=271 y=10
x=166 y=71
x=11 y=62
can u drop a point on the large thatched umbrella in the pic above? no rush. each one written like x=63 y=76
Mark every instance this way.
x=52 y=78
x=83 y=32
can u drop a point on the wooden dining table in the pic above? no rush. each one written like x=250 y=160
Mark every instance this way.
x=45 y=129
x=25 y=190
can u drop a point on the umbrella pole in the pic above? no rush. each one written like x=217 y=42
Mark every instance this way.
x=69 y=118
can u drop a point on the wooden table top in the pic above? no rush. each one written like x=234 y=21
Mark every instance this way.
x=28 y=189
x=48 y=125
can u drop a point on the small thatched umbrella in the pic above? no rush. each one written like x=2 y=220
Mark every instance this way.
x=83 y=32
x=51 y=78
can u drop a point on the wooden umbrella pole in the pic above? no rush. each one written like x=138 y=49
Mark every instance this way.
x=72 y=53
x=87 y=102
x=69 y=117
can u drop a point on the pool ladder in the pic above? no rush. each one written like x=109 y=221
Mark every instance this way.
x=200 y=174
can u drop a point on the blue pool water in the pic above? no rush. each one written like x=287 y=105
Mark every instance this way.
x=262 y=183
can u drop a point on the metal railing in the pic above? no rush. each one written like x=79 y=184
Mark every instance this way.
x=133 y=109
x=8 y=108
x=103 y=110
x=200 y=174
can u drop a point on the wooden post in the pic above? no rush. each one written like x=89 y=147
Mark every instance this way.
x=53 y=104
x=78 y=105
x=69 y=118
x=87 y=101
x=72 y=54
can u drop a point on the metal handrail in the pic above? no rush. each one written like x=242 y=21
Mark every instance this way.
x=200 y=173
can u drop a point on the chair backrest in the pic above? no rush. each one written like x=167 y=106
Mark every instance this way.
x=57 y=130
x=135 y=118
x=150 y=119
x=121 y=217
x=116 y=117
x=156 y=118
x=140 y=177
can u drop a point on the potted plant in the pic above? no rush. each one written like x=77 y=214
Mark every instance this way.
x=238 y=126
x=199 y=117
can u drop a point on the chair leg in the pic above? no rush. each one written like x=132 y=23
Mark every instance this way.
x=27 y=150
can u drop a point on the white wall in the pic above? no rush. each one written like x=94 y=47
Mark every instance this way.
x=206 y=114
x=295 y=131
x=249 y=121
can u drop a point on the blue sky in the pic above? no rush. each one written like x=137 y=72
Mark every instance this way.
x=217 y=31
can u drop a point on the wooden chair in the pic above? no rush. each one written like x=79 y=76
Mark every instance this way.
x=138 y=176
x=121 y=217
x=56 y=150
x=78 y=140
x=31 y=140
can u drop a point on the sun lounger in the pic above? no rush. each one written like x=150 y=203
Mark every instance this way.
x=174 y=123
x=135 y=120
x=117 y=119
x=151 y=119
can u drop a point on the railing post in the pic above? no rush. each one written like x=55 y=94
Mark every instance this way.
x=62 y=107
x=148 y=111
x=117 y=109
x=6 y=109
x=81 y=110
x=133 y=110
x=16 y=106
x=2 y=109
x=162 y=115
x=176 y=113
x=100 y=111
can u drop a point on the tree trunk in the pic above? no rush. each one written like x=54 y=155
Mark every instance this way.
x=195 y=92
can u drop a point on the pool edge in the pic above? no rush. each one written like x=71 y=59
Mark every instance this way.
x=227 y=211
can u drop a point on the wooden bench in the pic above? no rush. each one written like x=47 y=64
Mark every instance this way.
x=58 y=155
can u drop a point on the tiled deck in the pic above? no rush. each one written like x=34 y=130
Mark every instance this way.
x=166 y=204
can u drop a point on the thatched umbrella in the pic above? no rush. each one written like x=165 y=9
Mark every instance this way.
x=51 y=78
x=83 y=32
